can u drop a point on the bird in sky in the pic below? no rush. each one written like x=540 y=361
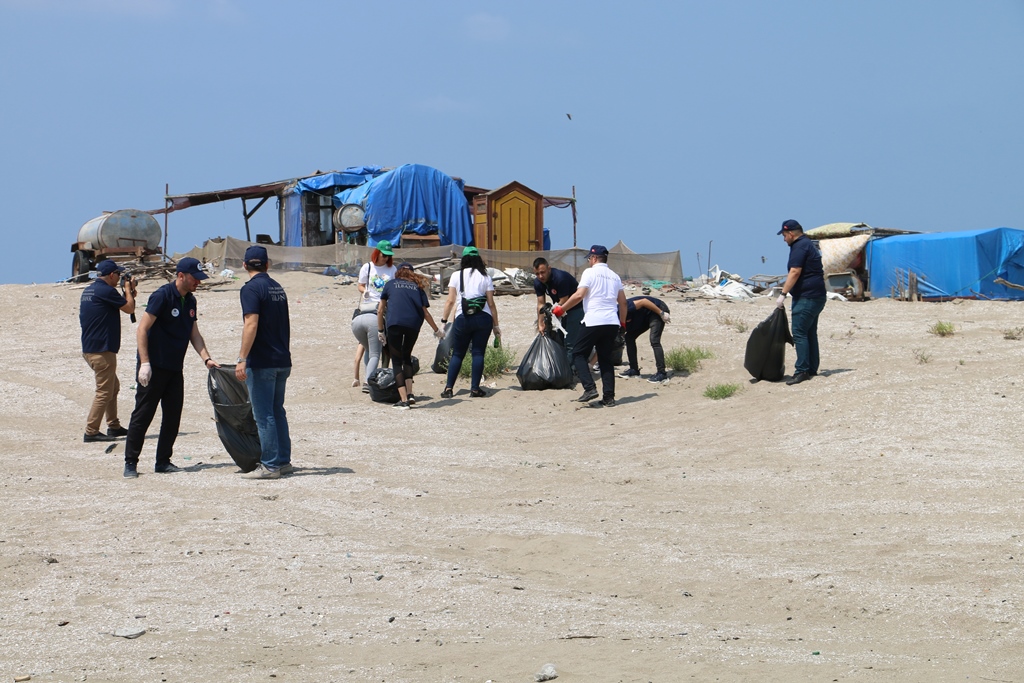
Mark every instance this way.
x=570 y=116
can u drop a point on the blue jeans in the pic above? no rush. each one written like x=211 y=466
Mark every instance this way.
x=805 y=332
x=266 y=393
x=469 y=328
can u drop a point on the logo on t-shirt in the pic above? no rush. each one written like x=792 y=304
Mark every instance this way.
x=174 y=312
x=192 y=312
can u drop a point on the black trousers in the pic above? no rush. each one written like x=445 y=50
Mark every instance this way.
x=400 y=343
x=166 y=389
x=657 y=326
x=601 y=337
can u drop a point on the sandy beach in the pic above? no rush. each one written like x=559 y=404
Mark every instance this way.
x=863 y=526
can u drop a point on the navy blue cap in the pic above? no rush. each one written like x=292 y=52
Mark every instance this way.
x=599 y=250
x=406 y=265
x=105 y=268
x=256 y=256
x=190 y=266
x=790 y=225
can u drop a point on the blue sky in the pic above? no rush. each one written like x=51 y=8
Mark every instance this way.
x=691 y=121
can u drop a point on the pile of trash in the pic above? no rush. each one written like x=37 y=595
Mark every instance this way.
x=719 y=284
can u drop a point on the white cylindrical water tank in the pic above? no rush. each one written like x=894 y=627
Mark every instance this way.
x=124 y=229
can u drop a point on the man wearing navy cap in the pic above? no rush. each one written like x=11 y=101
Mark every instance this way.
x=99 y=315
x=559 y=285
x=265 y=362
x=604 y=314
x=166 y=329
x=805 y=282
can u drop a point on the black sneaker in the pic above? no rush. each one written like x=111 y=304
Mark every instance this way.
x=92 y=438
x=130 y=472
x=608 y=402
x=658 y=378
x=169 y=468
x=411 y=400
x=477 y=393
x=447 y=393
x=588 y=396
x=401 y=405
x=629 y=373
x=117 y=431
x=798 y=377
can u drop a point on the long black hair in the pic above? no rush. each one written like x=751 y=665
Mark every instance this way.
x=474 y=262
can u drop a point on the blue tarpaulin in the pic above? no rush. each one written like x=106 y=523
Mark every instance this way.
x=412 y=198
x=949 y=264
x=320 y=184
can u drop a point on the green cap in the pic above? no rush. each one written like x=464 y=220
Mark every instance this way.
x=384 y=247
x=470 y=251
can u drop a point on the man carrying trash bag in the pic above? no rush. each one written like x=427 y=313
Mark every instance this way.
x=805 y=282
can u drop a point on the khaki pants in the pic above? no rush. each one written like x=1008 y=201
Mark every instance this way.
x=107 y=385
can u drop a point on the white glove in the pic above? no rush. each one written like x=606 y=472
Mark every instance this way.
x=781 y=301
x=145 y=374
x=439 y=333
x=666 y=317
x=383 y=338
x=497 y=331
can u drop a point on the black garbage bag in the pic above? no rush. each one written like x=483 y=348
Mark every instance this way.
x=383 y=388
x=766 y=348
x=235 y=424
x=444 y=350
x=620 y=344
x=545 y=366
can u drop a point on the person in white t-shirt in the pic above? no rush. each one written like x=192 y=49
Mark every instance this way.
x=604 y=314
x=471 y=295
x=373 y=275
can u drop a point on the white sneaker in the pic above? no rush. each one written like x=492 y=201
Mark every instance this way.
x=262 y=472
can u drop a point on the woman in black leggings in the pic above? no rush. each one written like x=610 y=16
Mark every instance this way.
x=404 y=307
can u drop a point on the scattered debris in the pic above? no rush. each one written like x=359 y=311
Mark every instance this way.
x=546 y=673
x=129 y=633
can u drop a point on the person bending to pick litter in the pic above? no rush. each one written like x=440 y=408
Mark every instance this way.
x=646 y=313
x=404 y=304
x=559 y=285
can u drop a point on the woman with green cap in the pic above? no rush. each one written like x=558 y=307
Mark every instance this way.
x=471 y=295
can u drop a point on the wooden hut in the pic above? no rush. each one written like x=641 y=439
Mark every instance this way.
x=510 y=218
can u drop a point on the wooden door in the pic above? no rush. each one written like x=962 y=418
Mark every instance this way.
x=514 y=224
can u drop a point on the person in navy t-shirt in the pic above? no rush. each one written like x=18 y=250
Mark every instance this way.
x=166 y=329
x=100 y=316
x=806 y=283
x=404 y=307
x=646 y=313
x=559 y=285
x=265 y=362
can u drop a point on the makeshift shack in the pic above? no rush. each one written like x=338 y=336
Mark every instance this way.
x=948 y=265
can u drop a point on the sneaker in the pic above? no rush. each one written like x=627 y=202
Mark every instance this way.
x=92 y=438
x=401 y=405
x=608 y=402
x=447 y=393
x=596 y=367
x=169 y=468
x=262 y=472
x=287 y=469
x=130 y=471
x=798 y=377
x=629 y=373
x=588 y=396
x=477 y=393
x=117 y=431
x=658 y=378
x=411 y=400
x=366 y=388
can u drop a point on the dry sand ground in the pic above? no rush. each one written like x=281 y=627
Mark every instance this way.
x=864 y=526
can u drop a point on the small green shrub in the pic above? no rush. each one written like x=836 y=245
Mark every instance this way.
x=922 y=356
x=1014 y=333
x=687 y=359
x=717 y=392
x=941 y=329
x=729 y=321
x=496 y=361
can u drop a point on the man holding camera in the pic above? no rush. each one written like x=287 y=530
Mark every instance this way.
x=99 y=315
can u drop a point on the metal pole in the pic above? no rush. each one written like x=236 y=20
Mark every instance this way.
x=575 y=263
x=167 y=205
